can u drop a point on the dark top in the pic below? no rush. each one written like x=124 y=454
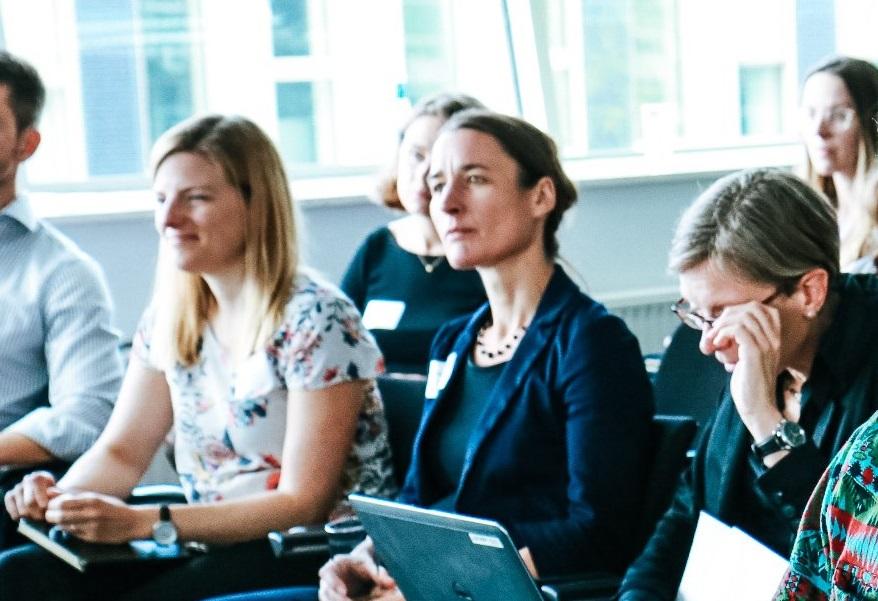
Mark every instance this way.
x=727 y=482
x=558 y=453
x=455 y=425
x=382 y=270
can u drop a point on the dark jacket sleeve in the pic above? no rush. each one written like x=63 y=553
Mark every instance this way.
x=791 y=480
x=657 y=572
x=606 y=401
x=355 y=280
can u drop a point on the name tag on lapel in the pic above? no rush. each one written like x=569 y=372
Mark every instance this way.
x=383 y=314
x=439 y=375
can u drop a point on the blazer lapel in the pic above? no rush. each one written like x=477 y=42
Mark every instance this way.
x=506 y=391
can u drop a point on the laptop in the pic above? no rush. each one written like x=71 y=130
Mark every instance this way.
x=438 y=556
x=82 y=555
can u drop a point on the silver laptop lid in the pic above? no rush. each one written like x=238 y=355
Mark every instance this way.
x=439 y=556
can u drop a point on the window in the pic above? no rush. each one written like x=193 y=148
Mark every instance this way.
x=316 y=74
x=331 y=80
x=629 y=76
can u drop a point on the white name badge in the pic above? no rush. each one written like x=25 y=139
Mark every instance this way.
x=438 y=375
x=383 y=314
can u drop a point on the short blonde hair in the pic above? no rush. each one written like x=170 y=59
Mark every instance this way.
x=766 y=225
x=182 y=301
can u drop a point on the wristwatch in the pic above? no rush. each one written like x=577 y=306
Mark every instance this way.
x=786 y=435
x=163 y=531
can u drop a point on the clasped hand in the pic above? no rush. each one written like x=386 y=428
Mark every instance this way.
x=89 y=516
x=746 y=339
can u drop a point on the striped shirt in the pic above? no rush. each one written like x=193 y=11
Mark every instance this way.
x=59 y=362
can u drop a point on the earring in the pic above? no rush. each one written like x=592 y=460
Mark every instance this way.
x=810 y=314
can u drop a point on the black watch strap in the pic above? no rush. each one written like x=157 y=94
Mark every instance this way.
x=164 y=513
x=786 y=435
x=768 y=446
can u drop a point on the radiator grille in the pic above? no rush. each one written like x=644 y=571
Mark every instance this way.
x=647 y=314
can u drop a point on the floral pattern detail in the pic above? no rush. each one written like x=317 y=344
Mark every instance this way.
x=230 y=427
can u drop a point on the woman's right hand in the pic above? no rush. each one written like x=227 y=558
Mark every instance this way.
x=746 y=338
x=357 y=576
x=30 y=497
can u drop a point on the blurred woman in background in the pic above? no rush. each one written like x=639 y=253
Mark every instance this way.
x=265 y=374
x=399 y=278
x=838 y=109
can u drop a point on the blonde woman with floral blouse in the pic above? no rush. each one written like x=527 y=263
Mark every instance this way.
x=265 y=374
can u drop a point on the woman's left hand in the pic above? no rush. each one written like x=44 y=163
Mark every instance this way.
x=98 y=518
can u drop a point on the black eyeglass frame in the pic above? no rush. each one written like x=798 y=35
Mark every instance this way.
x=697 y=322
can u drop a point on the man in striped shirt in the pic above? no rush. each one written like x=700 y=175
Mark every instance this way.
x=59 y=362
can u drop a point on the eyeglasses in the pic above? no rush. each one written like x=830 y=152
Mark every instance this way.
x=837 y=118
x=695 y=321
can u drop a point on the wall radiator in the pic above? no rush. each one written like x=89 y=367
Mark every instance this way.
x=647 y=313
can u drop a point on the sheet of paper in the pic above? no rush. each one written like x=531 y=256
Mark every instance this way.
x=725 y=564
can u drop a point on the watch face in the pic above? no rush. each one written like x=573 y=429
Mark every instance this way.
x=792 y=434
x=164 y=533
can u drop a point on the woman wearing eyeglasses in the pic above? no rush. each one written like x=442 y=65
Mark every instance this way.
x=838 y=108
x=757 y=259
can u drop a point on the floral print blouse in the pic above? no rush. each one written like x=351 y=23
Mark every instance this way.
x=229 y=428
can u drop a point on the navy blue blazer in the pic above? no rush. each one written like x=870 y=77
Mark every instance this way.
x=560 y=453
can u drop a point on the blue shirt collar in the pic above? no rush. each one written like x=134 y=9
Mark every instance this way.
x=20 y=210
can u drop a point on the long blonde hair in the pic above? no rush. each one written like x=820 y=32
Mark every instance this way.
x=182 y=302
x=860 y=78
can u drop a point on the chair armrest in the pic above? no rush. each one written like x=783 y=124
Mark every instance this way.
x=594 y=586
x=299 y=540
x=157 y=493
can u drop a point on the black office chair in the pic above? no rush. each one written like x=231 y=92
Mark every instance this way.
x=672 y=435
x=688 y=382
x=403 y=396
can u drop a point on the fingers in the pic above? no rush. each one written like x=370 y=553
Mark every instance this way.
x=30 y=497
x=12 y=503
x=751 y=323
x=70 y=509
x=383 y=579
x=346 y=576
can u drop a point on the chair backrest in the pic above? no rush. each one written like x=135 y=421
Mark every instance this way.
x=688 y=382
x=671 y=437
x=403 y=398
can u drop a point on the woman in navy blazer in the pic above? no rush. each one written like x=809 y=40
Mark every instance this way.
x=558 y=455
x=538 y=406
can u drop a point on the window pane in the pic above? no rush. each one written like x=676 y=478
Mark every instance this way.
x=289 y=27
x=168 y=54
x=295 y=107
x=761 y=99
x=428 y=58
x=110 y=95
